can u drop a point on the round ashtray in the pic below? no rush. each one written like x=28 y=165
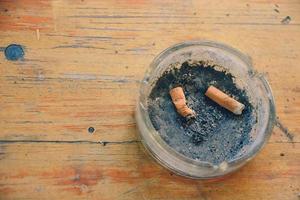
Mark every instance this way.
x=191 y=159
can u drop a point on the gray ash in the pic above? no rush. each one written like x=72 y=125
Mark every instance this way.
x=216 y=134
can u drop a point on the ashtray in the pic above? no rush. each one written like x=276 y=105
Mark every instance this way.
x=227 y=141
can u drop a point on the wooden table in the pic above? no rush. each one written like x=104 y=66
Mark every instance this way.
x=82 y=66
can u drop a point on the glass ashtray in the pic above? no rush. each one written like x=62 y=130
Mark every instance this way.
x=231 y=60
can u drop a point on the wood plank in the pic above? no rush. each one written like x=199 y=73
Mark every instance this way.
x=65 y=94
x=123 y=171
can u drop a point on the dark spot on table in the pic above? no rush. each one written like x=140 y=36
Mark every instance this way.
x=116 y=52
x=126 y=67
x=276 y=10
x=5 y=10
x=14 y=52
x=276 y=6
x=286 y=20
x=104 y=143
x=153 y=44
x=91 y=129
x=287 y=100
x=281 y=154
x=194 y=13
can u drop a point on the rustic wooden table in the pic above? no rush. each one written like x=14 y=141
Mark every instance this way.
x=81 y=68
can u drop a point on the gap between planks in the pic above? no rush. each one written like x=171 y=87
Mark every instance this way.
x=70 y=141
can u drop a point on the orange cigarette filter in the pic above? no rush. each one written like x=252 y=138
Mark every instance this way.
x=178 y=99
x=224 y=100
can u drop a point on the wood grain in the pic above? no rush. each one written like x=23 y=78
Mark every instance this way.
x=84 y=71
x=63 y=171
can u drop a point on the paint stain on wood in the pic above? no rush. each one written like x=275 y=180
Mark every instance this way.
x=25 y=23
x=6 y=190
x=75 y=179
x=91 y=130
x=14 y=52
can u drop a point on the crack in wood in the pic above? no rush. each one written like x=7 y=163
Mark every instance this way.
x=285 y=130
x=104 y=143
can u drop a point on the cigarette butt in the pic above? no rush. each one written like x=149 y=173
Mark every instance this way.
x=224 y=100
x=178 y=99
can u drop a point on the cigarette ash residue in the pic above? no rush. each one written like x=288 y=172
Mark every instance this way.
x=216 y=134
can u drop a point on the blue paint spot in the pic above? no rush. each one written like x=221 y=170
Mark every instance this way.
x=91 y=129
x=14 y=52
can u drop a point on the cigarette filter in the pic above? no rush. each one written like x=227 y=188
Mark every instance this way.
x=178 y=99
x=224 y=100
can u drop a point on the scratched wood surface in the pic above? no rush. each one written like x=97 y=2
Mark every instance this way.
x=82 y=66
